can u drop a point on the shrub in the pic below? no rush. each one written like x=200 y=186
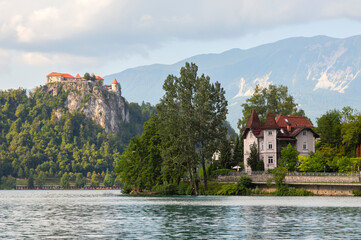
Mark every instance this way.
x=183 y=188
x=234 y=189
x=245 y=181
x=356 y=192
x=165 y=189
x=290 y=191
x=126 y=189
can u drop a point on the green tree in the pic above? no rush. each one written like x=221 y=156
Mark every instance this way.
x=272 y=99
x=313 y=163
x=253 y=160
x=289 y=157
x=94 y=183
x=108 y=180
x=87 y=76
x=31 y=180
x=80 y=180
x=329 y=127
x=238 y=152
x=40 y=179
x=225 y=158
x=64 y=181
x=191 y=114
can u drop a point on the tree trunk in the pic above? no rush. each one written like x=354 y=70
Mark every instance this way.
x=205 y=176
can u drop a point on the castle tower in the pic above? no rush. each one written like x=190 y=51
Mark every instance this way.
x=115 y=86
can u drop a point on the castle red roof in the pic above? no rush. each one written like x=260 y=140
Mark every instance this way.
x=55 y=74
x=115 y=81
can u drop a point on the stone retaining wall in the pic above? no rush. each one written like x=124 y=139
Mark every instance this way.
x=296 y=179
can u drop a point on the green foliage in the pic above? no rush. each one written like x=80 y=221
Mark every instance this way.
x=80 y=180
x=87 y=76
x=126 y=189
x=31 y=180
x=279 y=175
x=329 y=128
x=226 y=159
x=140 y=165
x=234 y=189
x=356 y=193
x=64 y=181
x=117 y=182
x=290 y=191
x=40 y=179
x=245 y=181
x=289 y=157
x=108 y=180
x=37 y=132
x=94 y=183
x=165 y=189
x=7 y=182
x=238 y=153
x=191 y=116
x=253 y=160
x=272 y=99
x=313 y=163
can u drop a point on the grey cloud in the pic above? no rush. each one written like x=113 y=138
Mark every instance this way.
x=111 y=27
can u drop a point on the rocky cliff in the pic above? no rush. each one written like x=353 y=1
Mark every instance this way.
x=107 y=108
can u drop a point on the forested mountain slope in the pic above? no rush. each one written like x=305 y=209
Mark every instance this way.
x=65 y=128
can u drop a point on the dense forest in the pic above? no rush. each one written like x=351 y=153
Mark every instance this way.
x=35 y=140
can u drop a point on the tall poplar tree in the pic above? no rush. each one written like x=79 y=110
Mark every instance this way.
x=191 y=115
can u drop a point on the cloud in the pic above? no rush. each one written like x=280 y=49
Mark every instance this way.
x=113 y=28
x=41 y=59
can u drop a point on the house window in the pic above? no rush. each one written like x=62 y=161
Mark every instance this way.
x=269 y=145
x=304 y=133
x=270 y=159
x=269 y=133
x=304 y=146
x=262 y=146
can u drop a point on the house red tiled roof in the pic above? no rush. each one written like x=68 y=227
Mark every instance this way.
x=115 y=81
x=293 y=120
x=270 y=122
x=295 y=125
x=98 y=78
x=253 y=121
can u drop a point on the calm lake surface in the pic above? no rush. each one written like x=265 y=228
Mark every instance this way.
x=107 y=214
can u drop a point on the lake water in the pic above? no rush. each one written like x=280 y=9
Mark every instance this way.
x=107 y=214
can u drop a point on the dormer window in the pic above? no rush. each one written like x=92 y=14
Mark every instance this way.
x=304 y=133
x=269 y=133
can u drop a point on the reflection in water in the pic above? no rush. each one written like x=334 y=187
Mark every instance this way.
x=108 y=214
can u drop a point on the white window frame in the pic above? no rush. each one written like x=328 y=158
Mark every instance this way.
x=270 y=145
x=304 y=133
x=269 y=133
x=270 y=159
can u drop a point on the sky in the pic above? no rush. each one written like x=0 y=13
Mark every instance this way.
x=108 y=36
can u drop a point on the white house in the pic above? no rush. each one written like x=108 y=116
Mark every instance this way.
x=275 y=134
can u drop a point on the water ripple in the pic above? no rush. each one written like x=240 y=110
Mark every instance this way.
x=106 y=214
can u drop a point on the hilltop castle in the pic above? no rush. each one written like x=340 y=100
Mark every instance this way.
x=56 y=77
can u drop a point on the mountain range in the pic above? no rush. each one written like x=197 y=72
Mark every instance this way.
x=321 y=72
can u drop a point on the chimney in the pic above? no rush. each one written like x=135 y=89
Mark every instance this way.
x=289 y=127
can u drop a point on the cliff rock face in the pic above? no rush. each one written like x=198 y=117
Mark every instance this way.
x=107 y=108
